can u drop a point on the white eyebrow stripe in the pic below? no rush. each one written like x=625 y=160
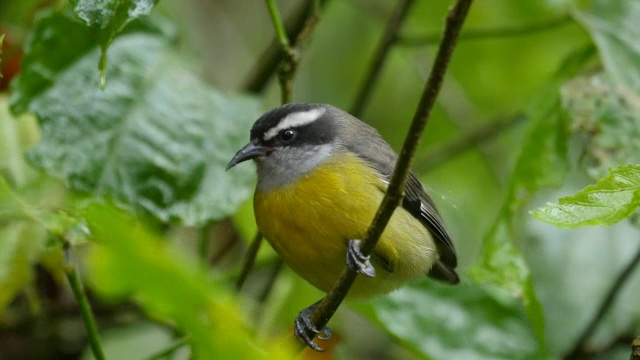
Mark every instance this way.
x=294 y=119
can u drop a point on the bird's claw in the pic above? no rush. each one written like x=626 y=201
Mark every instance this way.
x=357 y=261
x=306 y=331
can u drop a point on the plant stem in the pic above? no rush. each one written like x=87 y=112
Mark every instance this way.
x=391 y=200
x=249 y=260
x=204 y=242
x=281 y=34
x=164 y=353
x=286 y=74
x=85 y=311
x=384 y=47
x=268 y=286
x=479 y=34
x=578 y=350
x=465 y=142
x=267 y=64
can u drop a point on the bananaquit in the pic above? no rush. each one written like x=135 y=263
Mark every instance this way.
x=322 y=175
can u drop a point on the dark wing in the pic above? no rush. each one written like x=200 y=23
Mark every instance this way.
x=418 y=203
x=367 y=143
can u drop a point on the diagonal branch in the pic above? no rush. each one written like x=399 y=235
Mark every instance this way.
x=288 y=59
x=578 y=350
x=465 y=142
x=494 y=33
x=388 y=39
x=267 y=64
x=393 y=196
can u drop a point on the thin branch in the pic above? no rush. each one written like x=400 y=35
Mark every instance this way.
x=391 y=200
x=479 y=34
x=268 y=62
x=281 y=34
x=578 y=350
x=249 y=260
x=169 y=350
x=85 y=311
x=204 y=242
x=270 y=281
x=467 y=141
x=375 y=68
x=286 y=74
x=291 y=53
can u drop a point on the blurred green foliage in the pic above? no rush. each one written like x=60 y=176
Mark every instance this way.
x=155 y=141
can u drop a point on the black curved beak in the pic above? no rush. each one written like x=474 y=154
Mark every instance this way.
x=250 y=151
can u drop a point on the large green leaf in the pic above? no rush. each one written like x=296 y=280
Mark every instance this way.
x=41 y=65
x=130 y=261
x=21 y=245
x=107 y=18
x=542 y=162
x=23 y=229
x=462 y=322
x=157 y=138
x=27 y=218
x=610 y=200
x=111 y=15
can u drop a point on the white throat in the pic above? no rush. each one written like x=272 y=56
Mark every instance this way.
x=290 y=163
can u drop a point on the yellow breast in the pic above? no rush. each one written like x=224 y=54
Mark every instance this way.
x=310 y=221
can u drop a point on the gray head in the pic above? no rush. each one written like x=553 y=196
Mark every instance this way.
x=293 y=139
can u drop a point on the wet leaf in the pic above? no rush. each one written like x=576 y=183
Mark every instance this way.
x=610 y=200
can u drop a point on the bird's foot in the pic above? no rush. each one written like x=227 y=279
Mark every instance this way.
x=306 y=330
x=357 y=261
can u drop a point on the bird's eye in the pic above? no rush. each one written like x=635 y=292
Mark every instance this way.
x=287 y=136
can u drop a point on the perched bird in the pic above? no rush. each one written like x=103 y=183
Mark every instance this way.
x=322 y=174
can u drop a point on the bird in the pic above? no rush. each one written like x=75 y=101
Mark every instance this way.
x=321 y=176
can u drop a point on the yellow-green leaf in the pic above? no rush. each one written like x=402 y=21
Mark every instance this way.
x=609 y=200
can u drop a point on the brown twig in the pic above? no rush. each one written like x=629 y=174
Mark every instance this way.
x=289 y=63
x=291 y=52
x=384 y=47
x=479 y=34
x=579 y=349
x=249 y=260
x=271 y=280
x=455 y=19
x=267 y=64
x=467 y=141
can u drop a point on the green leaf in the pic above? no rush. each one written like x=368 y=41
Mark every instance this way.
x=41 y=66
x=21 y=245
x=141 y=338
x=16 y=135
x=613 y=25
x=26 y=220
x=169 y=284
x=610 y=200
x=111 y=15
x=542 y=162
x=106 y=19
x=157 y=138
x=543 y=157
x=461 y=322
x=25 y=203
